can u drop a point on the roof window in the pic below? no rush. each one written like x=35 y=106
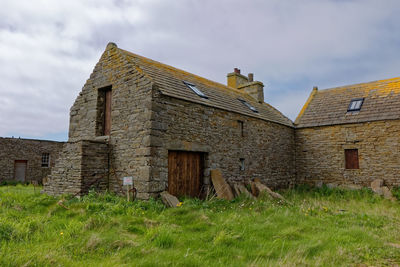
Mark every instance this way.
x=248 y=105
x=355 y=104
x=195 y=89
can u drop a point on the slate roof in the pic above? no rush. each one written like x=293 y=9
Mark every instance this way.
x=170 y=82
x=329 y=106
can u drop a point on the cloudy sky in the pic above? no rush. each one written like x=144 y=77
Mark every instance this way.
x=49 y=48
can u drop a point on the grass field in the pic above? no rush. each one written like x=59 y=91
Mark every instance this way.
x=322 y=227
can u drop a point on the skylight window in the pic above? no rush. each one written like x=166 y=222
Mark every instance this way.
x=195 y=89
x=248 y=105
x=355 y=104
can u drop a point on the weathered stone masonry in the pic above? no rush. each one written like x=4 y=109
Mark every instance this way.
x=129 y=142
x=82 y=165
x=12 y=149
x=154 y=111
x=320 y=153
x=146 y=124
x=266 y=147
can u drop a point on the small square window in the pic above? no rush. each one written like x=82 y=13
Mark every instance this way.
x=355 y=104
x=195 y=89
x=248 y=105
x=242 y=167
x=46 y=160
x=351 y=158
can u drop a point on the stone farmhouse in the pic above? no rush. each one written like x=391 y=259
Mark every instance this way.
x=27 y=160
x=350 y=135
x=168 y=129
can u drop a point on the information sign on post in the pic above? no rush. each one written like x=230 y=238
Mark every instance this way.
x=128 y=180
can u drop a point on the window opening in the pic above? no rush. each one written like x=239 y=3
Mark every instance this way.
x=248 y=105
x=195 y=89
x=46 y=160
x=355 y=104
x=242 y=166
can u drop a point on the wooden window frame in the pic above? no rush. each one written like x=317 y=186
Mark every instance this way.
x=351 y=158
x=45 y=160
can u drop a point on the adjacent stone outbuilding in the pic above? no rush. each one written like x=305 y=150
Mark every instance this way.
x=350 y=135
x=27 y=160
x=168 y=128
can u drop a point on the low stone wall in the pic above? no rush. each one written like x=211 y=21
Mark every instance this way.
x=82 y=165
x=320 y=155
x=12 y=149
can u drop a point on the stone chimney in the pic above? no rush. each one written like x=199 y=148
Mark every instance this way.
x=235 y=79
x=254 y=88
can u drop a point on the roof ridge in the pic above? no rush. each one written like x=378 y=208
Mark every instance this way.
x=359 y=84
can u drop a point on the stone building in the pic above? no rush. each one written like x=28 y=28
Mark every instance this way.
x=168 y=128
x=27 y=160
x=350 y=135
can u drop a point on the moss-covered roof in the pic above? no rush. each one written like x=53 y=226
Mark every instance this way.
x=329 y=106
x=170 y=82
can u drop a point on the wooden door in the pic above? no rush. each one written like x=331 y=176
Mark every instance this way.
x=20 y=170
x=107 y=112
x=185 y=173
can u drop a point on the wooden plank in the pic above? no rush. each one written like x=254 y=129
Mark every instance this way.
x=221 y=186
x=107 y=112
x=351 y=158
x=185 y=173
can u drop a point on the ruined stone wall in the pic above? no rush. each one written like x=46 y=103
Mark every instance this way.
x=82 y=165
x=12 y=149
x=320 y=153
x=268 y=148
x=129 y=140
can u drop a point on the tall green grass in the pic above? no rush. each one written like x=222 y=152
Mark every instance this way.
x=320 y=227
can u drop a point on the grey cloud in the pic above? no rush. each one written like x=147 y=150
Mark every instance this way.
x=49 y=48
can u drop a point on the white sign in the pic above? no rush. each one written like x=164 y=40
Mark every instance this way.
x=128 y=180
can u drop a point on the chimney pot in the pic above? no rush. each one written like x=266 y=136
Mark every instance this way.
x=251 y=77
x=236 y=70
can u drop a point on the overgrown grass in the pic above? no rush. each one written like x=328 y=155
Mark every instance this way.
x=321 y=227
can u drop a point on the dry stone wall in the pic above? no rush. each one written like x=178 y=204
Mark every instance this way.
x=320 y=153
x=12 y=149
x=82 y=165
x=267 y=148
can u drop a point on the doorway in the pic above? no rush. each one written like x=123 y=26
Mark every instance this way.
x=20 y=170
x=185 y=173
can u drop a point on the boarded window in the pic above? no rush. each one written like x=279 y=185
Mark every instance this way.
x=46 y=160
x=107 y=112
x=103 y=120
x=351 y=157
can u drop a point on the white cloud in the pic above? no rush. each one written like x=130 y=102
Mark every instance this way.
x=48 y=48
